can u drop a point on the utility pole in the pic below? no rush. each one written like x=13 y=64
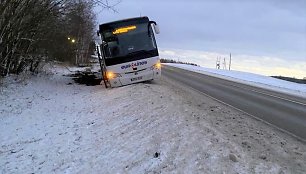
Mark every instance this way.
x=230 y=62
x=218 y=63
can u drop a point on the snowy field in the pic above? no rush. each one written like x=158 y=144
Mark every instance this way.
x=250 y=79
x=49 y=124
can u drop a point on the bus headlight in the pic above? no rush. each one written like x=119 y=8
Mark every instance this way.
x=111 y=75
x=157 y=65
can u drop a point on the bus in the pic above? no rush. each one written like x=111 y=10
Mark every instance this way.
x=128 y=52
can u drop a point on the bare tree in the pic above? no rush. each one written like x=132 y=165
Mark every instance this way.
x=32 y=31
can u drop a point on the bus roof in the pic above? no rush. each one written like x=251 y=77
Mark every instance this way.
x=144 y=19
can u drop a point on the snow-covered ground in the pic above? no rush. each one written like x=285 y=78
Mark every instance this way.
x=250 y=79
x=49 y=124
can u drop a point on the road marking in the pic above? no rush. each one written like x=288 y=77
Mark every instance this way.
x=256 y=91
x=251 y=115
x=240 y=110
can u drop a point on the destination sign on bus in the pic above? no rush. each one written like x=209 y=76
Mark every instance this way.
x=124 y=29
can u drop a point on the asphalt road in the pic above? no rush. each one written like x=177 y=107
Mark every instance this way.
x=282 y=110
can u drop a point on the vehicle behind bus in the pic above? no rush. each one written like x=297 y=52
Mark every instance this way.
x=129 y=51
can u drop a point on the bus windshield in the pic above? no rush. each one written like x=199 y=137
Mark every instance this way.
x=128 y=40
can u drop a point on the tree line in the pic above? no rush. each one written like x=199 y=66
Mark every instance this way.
x=175 y=61
x=36 y=31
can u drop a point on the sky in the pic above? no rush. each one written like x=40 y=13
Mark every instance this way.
x=264 y=36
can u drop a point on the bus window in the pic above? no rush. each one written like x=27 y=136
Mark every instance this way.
x=113 y=49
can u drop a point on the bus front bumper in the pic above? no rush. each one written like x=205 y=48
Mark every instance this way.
x=136 y=77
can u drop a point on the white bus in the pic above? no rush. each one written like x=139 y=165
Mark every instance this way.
x=129 y=52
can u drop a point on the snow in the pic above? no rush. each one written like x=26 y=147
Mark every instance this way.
x=250 y=79
x=49 y=124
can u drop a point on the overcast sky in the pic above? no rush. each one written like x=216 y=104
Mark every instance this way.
x=264 y=36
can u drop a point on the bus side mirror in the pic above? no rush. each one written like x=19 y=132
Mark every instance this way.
x=98 y=33
x=156 y=28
